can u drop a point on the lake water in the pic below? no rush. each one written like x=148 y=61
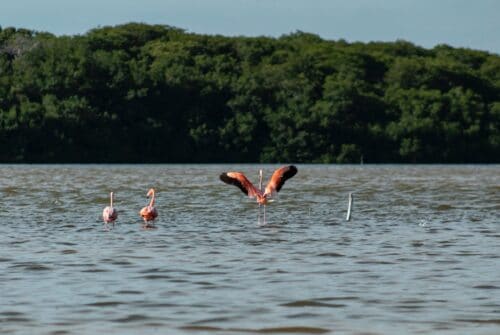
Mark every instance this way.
x=420 y=255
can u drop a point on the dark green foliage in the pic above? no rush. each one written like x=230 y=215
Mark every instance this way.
x=152 y=93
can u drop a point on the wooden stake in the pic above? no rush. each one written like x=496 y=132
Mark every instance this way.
x=348 y=218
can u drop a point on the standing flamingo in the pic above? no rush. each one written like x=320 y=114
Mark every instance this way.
x=109 y=214
x=262 y=196
x=149 y=213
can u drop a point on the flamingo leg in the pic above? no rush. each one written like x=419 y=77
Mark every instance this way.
x=264 y=214
x=149 y=224
x=258 y=217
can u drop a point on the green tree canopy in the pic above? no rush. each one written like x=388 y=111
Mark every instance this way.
x=156 y=93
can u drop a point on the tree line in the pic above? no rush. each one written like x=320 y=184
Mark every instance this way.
x=154 y=93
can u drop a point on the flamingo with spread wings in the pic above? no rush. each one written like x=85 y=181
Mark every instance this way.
x=262 y=196
x=149 y=213
x=109 y=214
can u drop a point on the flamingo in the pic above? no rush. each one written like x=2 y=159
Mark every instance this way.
x=109 y=214
x=149 y=213
x=262 y=196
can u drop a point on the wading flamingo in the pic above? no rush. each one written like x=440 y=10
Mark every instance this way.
x=262 y=196
x=149 y=213
x=109 y=214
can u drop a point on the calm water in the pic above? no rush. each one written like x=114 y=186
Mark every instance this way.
x=420 y=255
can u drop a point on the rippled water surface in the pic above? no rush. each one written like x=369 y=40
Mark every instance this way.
x=420 y=255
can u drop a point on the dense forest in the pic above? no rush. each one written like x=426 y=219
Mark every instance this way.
x=153 y=93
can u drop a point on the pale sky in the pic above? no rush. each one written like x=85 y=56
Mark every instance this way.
x=460 y=23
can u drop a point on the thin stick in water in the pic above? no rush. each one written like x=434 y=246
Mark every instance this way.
x=348 y=218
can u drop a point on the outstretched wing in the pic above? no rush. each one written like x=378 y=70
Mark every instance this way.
x=238 y=179
x=278 y=179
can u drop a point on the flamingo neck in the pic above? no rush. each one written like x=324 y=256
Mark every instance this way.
x=152 y=201
x=260 y=180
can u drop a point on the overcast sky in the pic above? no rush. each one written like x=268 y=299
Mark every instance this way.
x=460 y=23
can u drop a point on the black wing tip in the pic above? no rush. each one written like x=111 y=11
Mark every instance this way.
x=224 y=177
x=290 y=172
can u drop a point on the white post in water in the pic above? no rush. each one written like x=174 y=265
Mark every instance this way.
x=348 y=218
x=260 y=188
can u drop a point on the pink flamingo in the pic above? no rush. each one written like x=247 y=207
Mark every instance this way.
x=275 y=184
x=149 y=213
x=109 y=214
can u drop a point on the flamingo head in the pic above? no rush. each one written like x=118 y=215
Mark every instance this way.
x=151 y=192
